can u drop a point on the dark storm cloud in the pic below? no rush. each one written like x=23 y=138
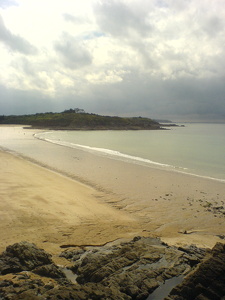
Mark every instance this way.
x=16 y=102
x=177 y=99
x=118 y=19
x=213 y=26
x=181 y=99
x=73 y=53
x=14 y=42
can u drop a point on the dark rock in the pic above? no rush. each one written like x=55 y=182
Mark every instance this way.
x=207 y=281
x=23 y=290
x=35 y=289
x=218 y=249
x=72 y=255
x=51 y=271
x=26 y=290
x=22 y=256
x=126 y=271
x=135 y=268
x=194 y=251
x=5 y=283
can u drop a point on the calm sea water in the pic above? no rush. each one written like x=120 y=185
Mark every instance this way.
x=196 y=148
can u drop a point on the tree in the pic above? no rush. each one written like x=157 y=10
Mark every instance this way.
x=75 y=110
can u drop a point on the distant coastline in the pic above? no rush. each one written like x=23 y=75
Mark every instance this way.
x=78 y=120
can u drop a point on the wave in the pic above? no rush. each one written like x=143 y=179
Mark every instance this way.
x=104 y=152
x=113 y=154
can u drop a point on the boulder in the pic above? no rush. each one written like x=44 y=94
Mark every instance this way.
x=135 y=268
x=51 y=271
x=207 y=281
x=23 y=256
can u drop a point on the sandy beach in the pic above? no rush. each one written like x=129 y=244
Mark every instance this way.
x=54 y=196
x=51 y=210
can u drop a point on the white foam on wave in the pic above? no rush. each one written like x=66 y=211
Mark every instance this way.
x=105 y=152
x=122 y=156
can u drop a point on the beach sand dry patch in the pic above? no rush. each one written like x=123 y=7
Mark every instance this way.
x=41 y=206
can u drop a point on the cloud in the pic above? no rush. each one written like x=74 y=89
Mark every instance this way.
x=171 y=38
x=213 y=26
x=75 y=19
x=121 y=19
x=23 y=102
x=14 y=42
x=7 y=3
x=180 y=99
x=176 y=99
x=161 y=58
x=73 y=53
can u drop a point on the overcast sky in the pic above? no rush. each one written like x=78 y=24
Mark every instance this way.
x=155 y=58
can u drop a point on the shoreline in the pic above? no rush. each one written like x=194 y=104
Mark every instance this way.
x=129 y=200
x=117 y=155
x=131 y=159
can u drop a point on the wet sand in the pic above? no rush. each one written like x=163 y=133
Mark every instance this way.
x=55 y=196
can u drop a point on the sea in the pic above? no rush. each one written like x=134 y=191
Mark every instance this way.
x=195 y=148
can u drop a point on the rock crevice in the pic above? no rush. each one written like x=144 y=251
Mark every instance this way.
x=128 y=270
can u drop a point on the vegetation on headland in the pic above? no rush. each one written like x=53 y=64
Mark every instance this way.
x=78 y=119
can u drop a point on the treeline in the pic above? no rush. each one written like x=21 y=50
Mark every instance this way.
x=78 y=119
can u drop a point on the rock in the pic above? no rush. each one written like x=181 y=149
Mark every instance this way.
x=72 y=255
x=219 y=248
x=135 y=268
x=125 y=271
x=5 y=283
x=22 y=256
x=206 y=281
x=26 y=290
x=35 y=289
x=51 y=271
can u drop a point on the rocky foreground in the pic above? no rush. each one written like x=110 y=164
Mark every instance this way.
x=129 y=270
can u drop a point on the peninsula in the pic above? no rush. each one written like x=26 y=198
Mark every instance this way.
x=77 y=119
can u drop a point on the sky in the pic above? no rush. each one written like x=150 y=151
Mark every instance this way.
x=162 y=59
